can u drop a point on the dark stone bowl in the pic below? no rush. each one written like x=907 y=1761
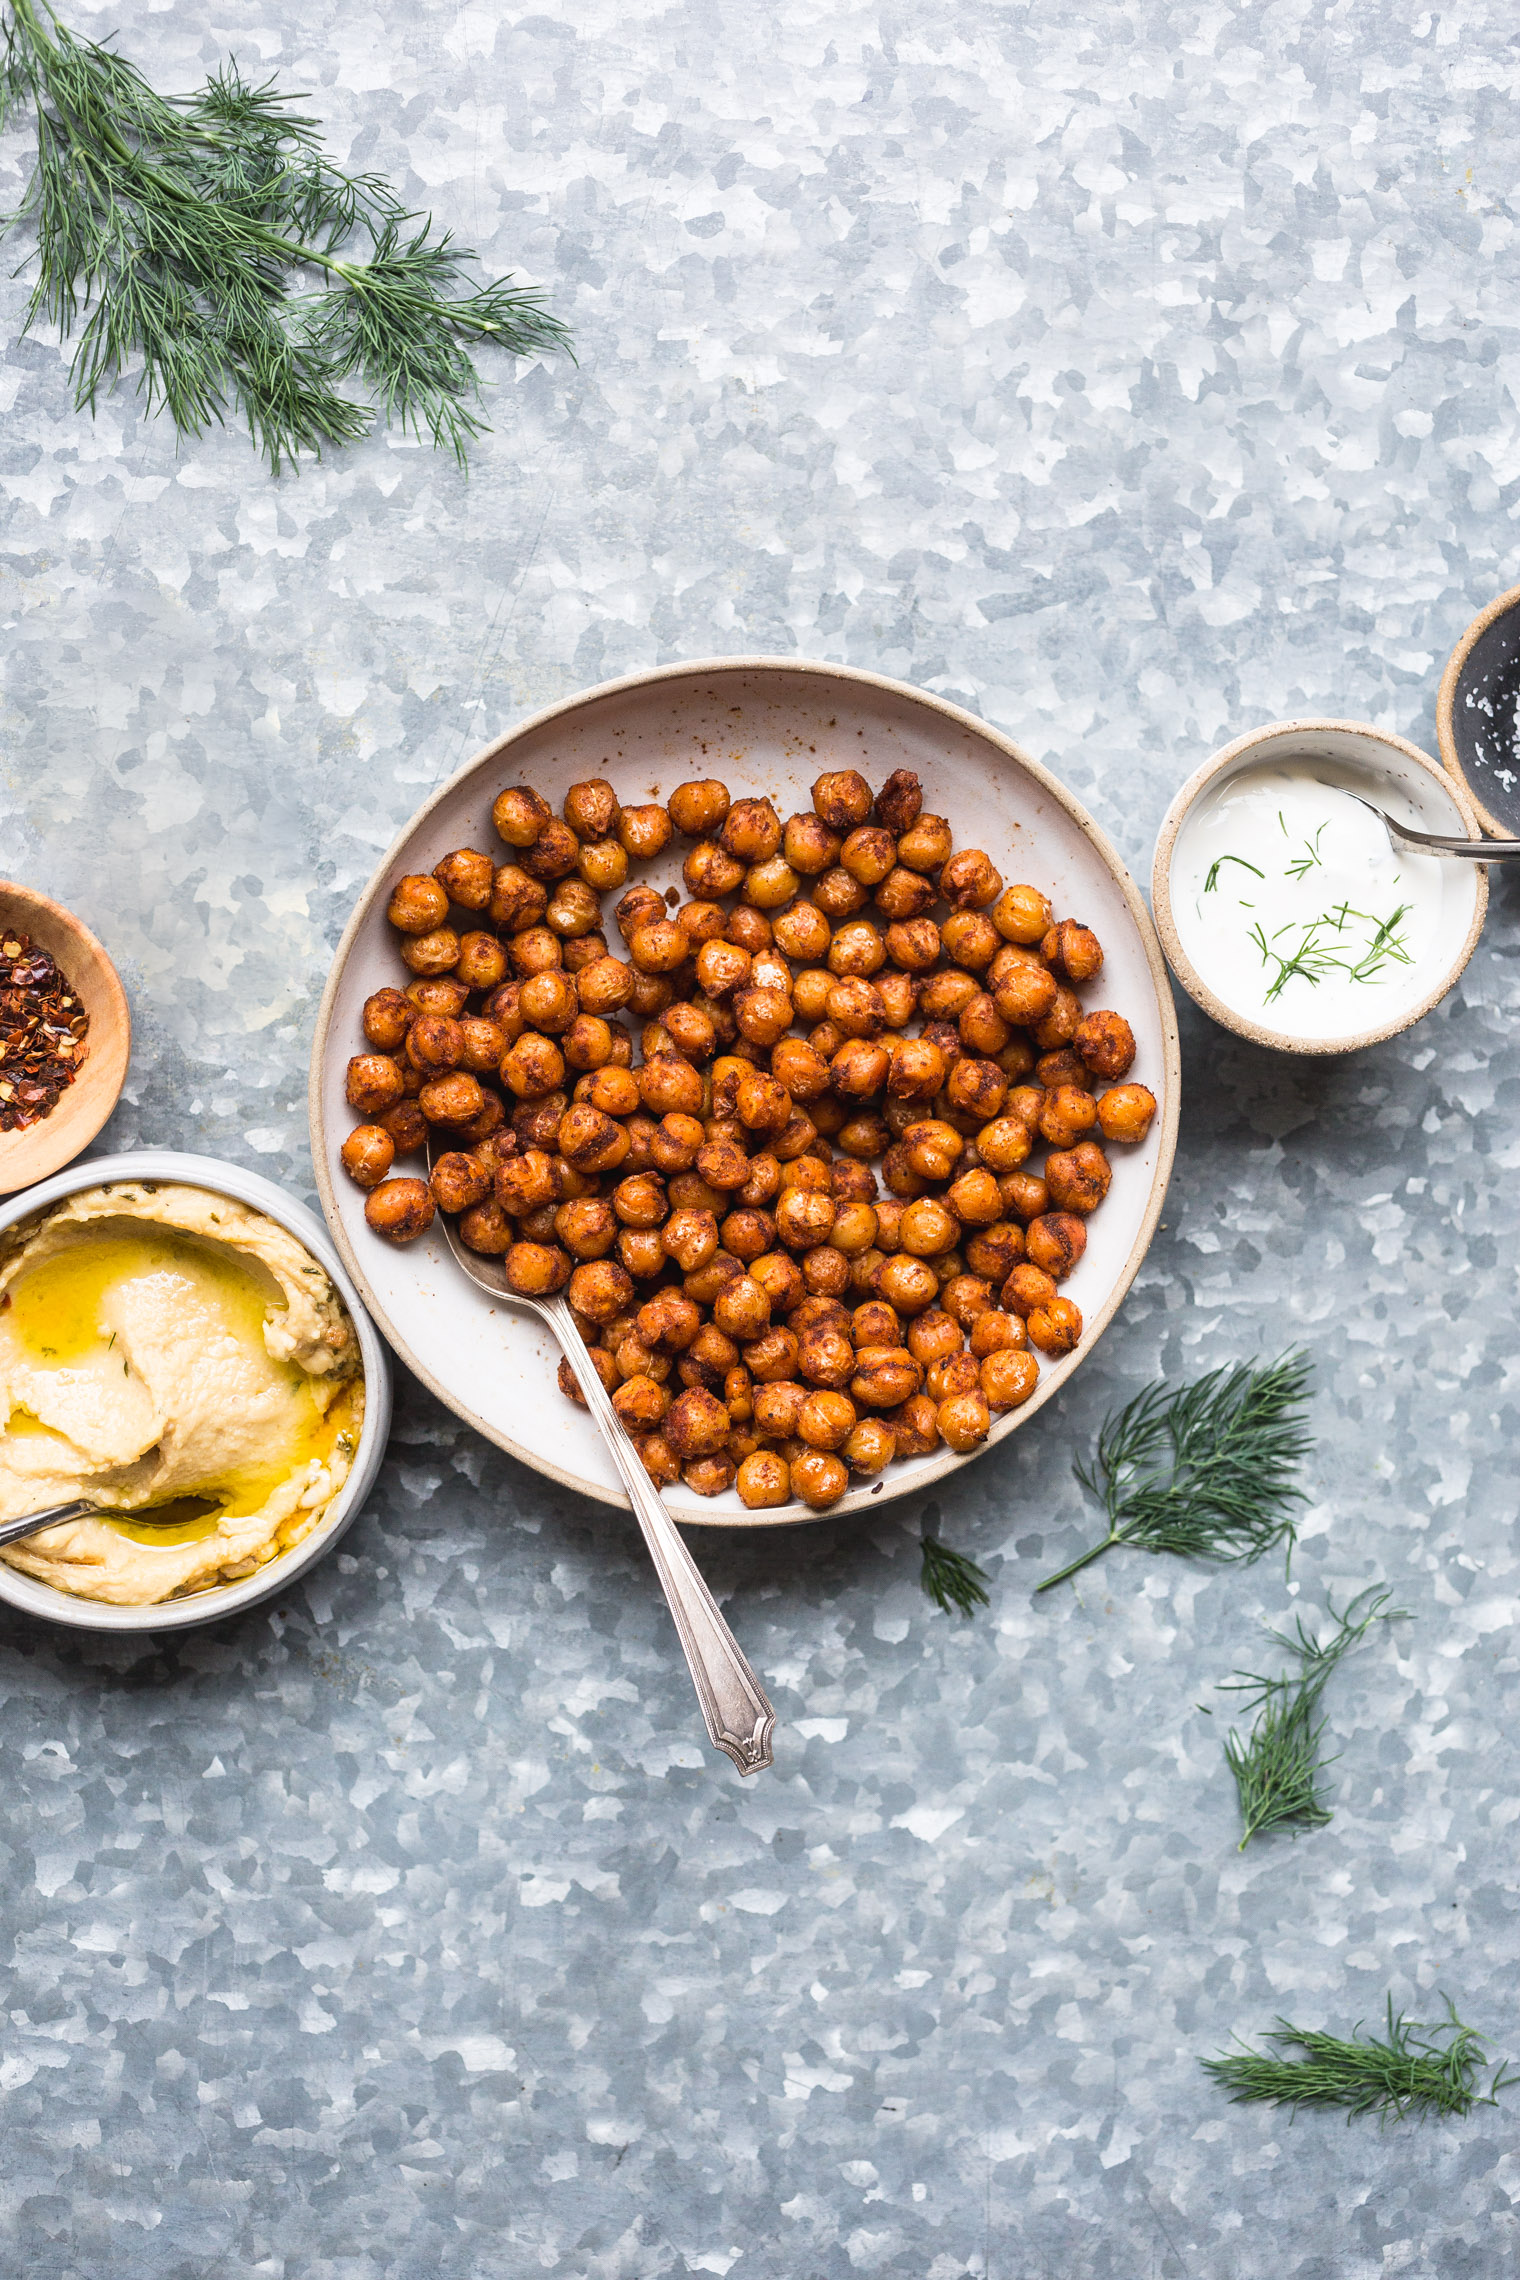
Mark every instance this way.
x=1478 y=715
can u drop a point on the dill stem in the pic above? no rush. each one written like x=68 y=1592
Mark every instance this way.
x=1082 y=1560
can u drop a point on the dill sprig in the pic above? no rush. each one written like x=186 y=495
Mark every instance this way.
x=1212 y=880
x=951 y=1579
x=176 y=232
x=1310 y=859
x=1408 y=2070
x=1204 y=1470
x=1278 y=1767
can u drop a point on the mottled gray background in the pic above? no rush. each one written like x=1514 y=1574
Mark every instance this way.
x=1131 y=374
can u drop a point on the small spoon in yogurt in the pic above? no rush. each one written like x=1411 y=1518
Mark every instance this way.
x=1400 y=835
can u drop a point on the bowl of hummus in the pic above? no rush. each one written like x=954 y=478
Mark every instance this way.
x=181 y=1346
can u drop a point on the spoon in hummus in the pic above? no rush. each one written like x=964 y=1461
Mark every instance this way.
x=174 y=1514
x=737 y=1713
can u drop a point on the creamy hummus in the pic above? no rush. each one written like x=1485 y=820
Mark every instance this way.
x=160 y=1344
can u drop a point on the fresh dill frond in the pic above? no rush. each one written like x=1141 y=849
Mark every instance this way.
x=1309 y=962
x=1387 y=945
x=207 y=238
x=1205 y=1470
x=1413 y=2069
x=951 y=1579
x=1278 y=1767
x=1310 y=859
x=1212 y=880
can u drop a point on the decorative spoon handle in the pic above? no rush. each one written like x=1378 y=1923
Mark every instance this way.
x=1441 y=843
x=11 y=1531
x=739 y=1718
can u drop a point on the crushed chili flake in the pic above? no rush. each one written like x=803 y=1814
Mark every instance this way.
x=42 y=1033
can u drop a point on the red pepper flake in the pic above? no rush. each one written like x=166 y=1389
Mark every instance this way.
x=42 y=1033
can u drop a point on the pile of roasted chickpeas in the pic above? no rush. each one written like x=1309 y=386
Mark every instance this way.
x=761 y=1313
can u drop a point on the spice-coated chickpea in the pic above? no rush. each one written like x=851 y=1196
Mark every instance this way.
x=516 y=900
x=588 y=1046
x=900 y=801
x=974 y=1199
x=670 y=1086
x=605 y=986
x=819 y=1313
x=741 y=1310
x=802 y=932
x=1026 y=1288
x=854 y=1229
x=764 y=1182
x=1026 y=994
x=582 y=950
x=964 y=1297
x=590 y=1140
x=721 y=967
x=600 y=1289
x=964 y=1421
x=869 y=854
x=970 y=881
x=959 y=1372
x=750 y=929
x=458 y=1182
x=642 y=1251
x=764 y=1016
x=1072 y=950
x=853 y=1007
x=1056 y=1241
x=1008 y=1378
x=772 y=1358
x=573 y=909
x=643 y=832
x=906 y=898
x=400 y=1210
x=591 y=808
x=658 y=947
x=698 y=809
x=586 y=1227
x=482 y=962
x=926 y=845
x=838 y=895
x=1016 y=1059
x=536 y=1122
x=535 y=950
x=933 y=1336
x=640 y=1403
x=533 y=1067
x=993 y=1252
x=932 y=1148
x=809 y=845
x=614 y=1091
x=819 y=1478
x=467 y=877
x=908 y=1283
x=690 y=1030
x=1055 y=1327
x=555 y=852
x=748 y=1234
x=857 y=948
x=780 y=1277
x=914 y=1428
x=970 y=938
x=804 y=1217
x=1078 y=1178
x=388 y=1015
x=1023 y=1106
x=825 y=1357
x=418 y=904
x=870 y=1447
x=978 y=1088
x=659 y=1459
x=603 y=867
x=810 y=992
x=489 y=1118
x=770 y=885
x=650 y=995
x=928 y=1228
x=1022 y=914
x=1067 y=1114
x=453 y=1098
x=603 y=1364
x=1064 y=1066
x=751 y=831
x=763 y=1104
x=841 y=798
x=1106 y=1043
x=885 y=1376
x=434 y=953
x=763 y=1481
x=723 y=1164
x=640 y=1200
x=994 y=1332
x=825 y=1271
x=481 y=1045
x=367 y=1154
x=669 y=1321
x=677 y=1138
x=899 y=995
x=373 y=1083
x=826 y=1419
x=982 y=1028
x=1125 y=1112
x=549 y=1001
x=406 y=1125
x=691 y=1238
x=641 y=904
x=697 y=1424
x=859 y=1068
x=519 y=816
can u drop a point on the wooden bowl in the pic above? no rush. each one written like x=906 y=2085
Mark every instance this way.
x=82 y=1109
x=1478 y=715
x=1397 y=777
x=766 y=726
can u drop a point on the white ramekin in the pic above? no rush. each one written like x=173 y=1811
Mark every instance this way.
x=167 y=1164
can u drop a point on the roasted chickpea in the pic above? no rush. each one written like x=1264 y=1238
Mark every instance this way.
x=1072 y=950
x=928 y=1228
x=1055 y=1327
x=771 y=884
x=642 y=1251
x=644 y=832
x=994 y=1332
x=690 y=1031
x=964 y=1297
x=841 y=799
x=588 y=1045
x=367 y=1154
x=826 y=1420
x=600 y=1290
x=964 y=1421
x=926 y=844
x=1125 y=1112
x=549 y=1001
x=780 y=1277
x=819 y=1478
x=467 y=877
x=751 y=831
x=933 y=1336
x=437 y=993
x=1008 y=1378
x=482 y=962
x=974 y=1199
x=977 y=1088
x=854 y=1229
x=913 y=1426
x=676 y=1141
x=536 y=1122
x=959 y=1372
x=859 y=1068
x=801 y=1131
x=406 y=1125
x=691 y=1238
x=1026 y=1288
x=657 y=947
x=604 y=986
x=418 y=904
x=1106 y=1043
x=668 y=1322
x=651 y=995
x=605 y=1368
x=764 y=1182
x=969 y=881
x=373 y=1084
x=825 y=1357
x=586 y=1228
x=868 y=854
x=697 y=1424
x=453 y=1098
x=932 y=1148
x=590 y=1140
x=1056 y=1241
x=885 y=1376
x=993 y=1252
x=591 y=808
x=481 y=1045
x=1067 y=1114
x=516 y=900
x=435 y=953
x=535 y=950
x=555 y=852
x=459 y=1182
x=1024 y=1106
x=723 y=1164
x=400 y=1210
x=533 y=1067
x=900 y=801
x=670 y=1086
x=612 y=1090
x=741 y=1309
x=1026 y=994
x=659 y=1459
x=698 y=809
x=640 y=1403
x=839 y=896
x=870 y=1447
x=802 y=932
x=603 y=866
x=519 y=816
x=970 y=939
x=750 y=929
x=906 y=898
x=982 y=1028
x=1016 y=1059
x=573 y=909
x=858 y=949
x=1062 y=1067
x=1022 y=914
x=763 y=1480
x=804 y=1218
x=763 y=1105
x=908 y=1283
x=387 y=1017
x=748 y=1234
x=764 y=1016
x=1078 y=1178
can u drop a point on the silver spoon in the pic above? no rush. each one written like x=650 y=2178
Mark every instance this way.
x=171 y=1515
x=1437 y=843
x=738 y=1716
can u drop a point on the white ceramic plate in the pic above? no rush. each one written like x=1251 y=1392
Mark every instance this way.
x=231 y=1599
x=765 y=726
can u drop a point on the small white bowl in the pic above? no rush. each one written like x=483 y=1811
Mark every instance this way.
x=234 y=1598
x=1395 y=776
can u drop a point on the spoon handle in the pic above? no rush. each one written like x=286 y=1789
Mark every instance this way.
x=11 y=1531
x=739 y=1718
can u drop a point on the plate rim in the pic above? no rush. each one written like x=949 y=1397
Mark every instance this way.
x=1051 y=1382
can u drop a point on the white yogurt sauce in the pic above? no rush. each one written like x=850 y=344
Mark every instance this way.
x=1291 y=902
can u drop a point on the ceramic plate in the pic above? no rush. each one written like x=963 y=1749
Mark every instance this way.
x=765 y=726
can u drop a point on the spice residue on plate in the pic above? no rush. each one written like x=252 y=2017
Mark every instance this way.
x=43 y=1029
x=1294 y=906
